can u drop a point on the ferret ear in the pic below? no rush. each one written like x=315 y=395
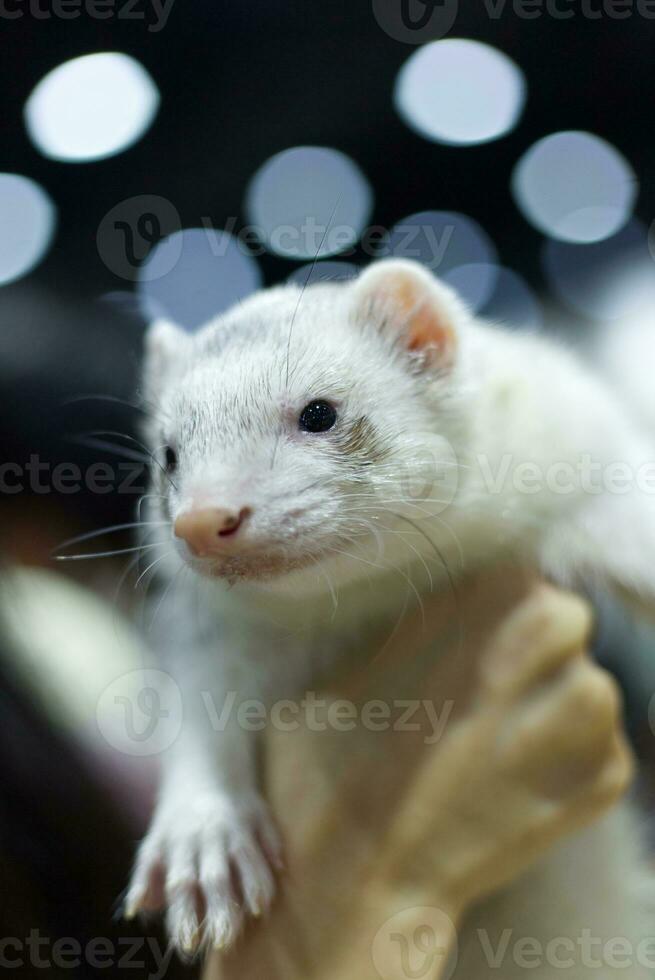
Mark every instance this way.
x=165 y=345
x=404 y=297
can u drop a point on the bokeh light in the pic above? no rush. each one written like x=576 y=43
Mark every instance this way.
x=315 y=272
x=308 y=202
x=575 y=187
x=512 y=302
x=194 y=274
x=91 y=107
x=460 y=92
x=605 y=280
x=27 y=224
x=453 y=246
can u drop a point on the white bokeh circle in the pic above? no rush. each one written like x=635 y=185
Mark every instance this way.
x=460 y=92
x=575 y=187
x=27 y=225
x=91 y=107
x=195 y=274
x=309 y=202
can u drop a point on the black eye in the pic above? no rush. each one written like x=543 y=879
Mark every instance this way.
x=318 y=416
x=170 y=459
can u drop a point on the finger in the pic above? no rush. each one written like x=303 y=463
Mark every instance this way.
x=558 y=740
x=546 y=631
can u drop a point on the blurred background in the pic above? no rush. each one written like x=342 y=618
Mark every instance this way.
x=168 y=158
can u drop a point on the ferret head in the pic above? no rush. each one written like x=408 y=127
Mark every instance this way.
x=295 y=430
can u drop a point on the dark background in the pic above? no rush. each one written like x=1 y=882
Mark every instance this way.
x=239 y=81
x=242 y=81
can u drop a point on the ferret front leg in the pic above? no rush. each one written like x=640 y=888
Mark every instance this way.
x=209 y=855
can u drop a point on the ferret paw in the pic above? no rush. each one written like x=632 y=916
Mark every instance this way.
x=208 y=863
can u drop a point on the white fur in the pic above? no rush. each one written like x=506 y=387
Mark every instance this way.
x=624 y=346
x=342 y=541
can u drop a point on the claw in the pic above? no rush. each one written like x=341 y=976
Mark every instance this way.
x=198 y=866
x=131 y=908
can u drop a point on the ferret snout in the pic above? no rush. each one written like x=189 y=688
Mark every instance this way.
x=205 y=530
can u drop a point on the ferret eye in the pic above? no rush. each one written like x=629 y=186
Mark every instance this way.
x=318 y=416
x=170 y=459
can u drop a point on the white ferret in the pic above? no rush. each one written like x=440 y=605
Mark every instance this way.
x=312 y=441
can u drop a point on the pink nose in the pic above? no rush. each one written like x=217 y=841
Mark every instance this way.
x=205 y=530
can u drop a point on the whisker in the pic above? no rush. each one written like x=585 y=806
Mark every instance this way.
x=168 y=588
x=105 y=554
x=416 y=552
x=144 y=408
x=112 y=529
x=152 y=565
x=395 y=629
x=335 y=598
x=131 y=564
x=147 y=496
x=432 y=543
x=151 y=455
x=112 y=447
x=393 y=568
x=426 y=515
x=347 y=554
x=446 y=569
x=306 y=283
